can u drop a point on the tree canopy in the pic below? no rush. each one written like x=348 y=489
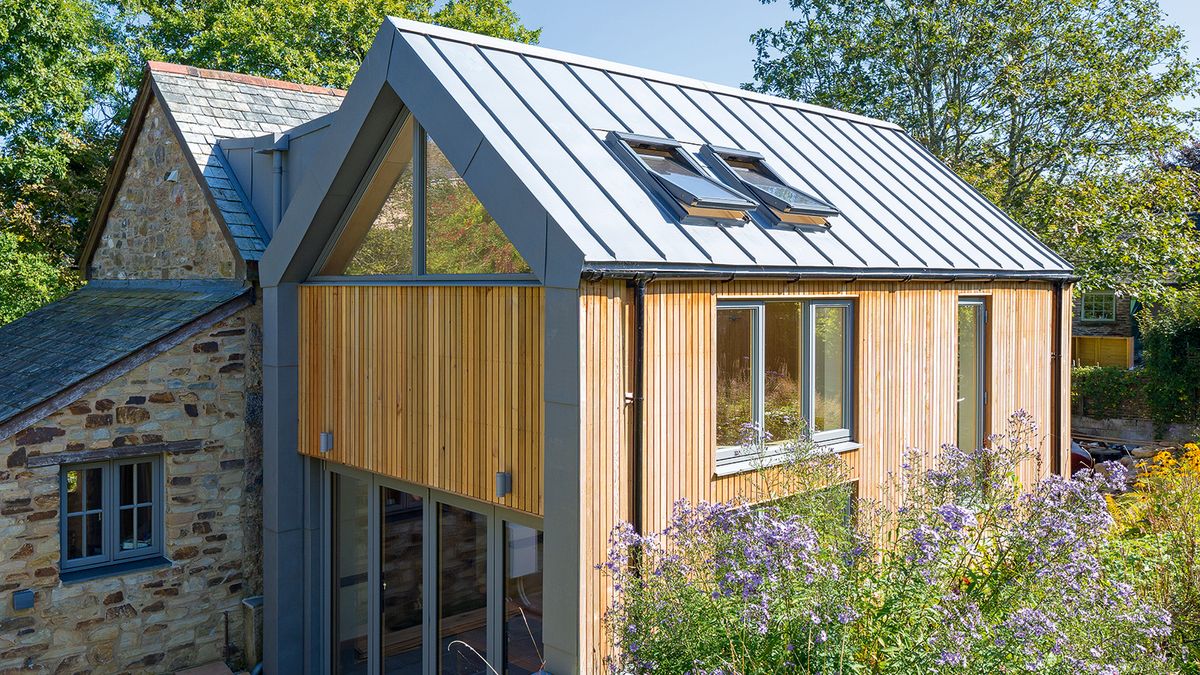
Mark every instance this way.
x=1058 y=110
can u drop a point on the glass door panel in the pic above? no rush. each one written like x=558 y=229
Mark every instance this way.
x=522 y=599
x=970 y=374
x=351 y=587
x=401 y=604
x=462 y=591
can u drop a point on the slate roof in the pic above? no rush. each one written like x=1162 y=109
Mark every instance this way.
x=545 y=114
x=208 y=105
x=61 y=344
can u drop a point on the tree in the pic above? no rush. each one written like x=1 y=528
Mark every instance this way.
x=59 y=73
x=28 y=279
x=318 y=42
x=1034 y=101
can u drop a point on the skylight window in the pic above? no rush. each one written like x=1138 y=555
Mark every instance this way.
x=667 y=169
x=749 y=170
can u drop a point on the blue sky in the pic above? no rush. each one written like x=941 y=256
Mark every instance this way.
x=705 y=39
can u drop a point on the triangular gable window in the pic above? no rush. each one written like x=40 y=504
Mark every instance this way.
x=388 y=233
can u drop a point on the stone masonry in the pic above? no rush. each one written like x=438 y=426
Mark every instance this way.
x=166 y=618
x=161 y=224
x=1122 y=327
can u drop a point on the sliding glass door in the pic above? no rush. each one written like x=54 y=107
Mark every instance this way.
x=350 y=560
x=426 y=583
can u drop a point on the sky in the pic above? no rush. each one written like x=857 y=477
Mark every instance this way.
x=704 y=39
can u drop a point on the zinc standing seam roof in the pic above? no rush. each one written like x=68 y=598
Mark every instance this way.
x=210 y=105
x=547 y=112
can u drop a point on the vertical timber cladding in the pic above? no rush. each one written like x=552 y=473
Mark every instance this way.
x=436 y=385
x=905 y=392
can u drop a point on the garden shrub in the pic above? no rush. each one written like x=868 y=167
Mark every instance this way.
x=1104 y=391
x=1171 y=341
x=1159 y=526
x=956 y=570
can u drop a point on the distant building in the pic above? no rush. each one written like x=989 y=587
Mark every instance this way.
x=1103 y=329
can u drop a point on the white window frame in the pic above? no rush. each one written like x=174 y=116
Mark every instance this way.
x=732 y=459
x=1098 y=296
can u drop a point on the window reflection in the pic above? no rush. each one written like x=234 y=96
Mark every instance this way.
x=460 y=236
x=735 y=384
x=522 y=599
x=400 y=563
x=350 y=583
x=970 y=367
x=782 y=418
x=462 y=591
x=829 y=367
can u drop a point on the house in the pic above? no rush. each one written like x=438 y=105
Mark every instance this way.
x=131 y=410
x=509 y=297
x=1104 y=330
x=522 y=295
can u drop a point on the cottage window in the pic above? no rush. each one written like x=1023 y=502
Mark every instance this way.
x=783 y=367
x=111 y=512
x=750 y=171
x=670 y=172
x=1100 y=306
x=416 y=216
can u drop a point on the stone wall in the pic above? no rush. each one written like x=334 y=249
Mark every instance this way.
x=161 y=228
x=155 y=620
x=1122 y=327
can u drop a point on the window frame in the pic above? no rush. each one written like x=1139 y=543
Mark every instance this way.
x=432 y=498
x=775 y=209
x=686 y=206
x=1111 y=298
x=982 y=361
x=834 y=439
x=110 y=510
x=419 y=215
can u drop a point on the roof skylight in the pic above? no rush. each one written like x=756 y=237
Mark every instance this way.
x=750 y=170
x=668 y=169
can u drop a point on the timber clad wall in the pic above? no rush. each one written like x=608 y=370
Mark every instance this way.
x=905 y=389
x=439 y=386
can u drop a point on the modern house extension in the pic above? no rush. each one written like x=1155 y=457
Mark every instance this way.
x=520 y=296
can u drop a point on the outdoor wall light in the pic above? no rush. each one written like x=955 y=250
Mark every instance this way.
x=503 y=484
x=326 y=441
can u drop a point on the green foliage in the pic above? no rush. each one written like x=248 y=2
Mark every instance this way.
x=1104 y=391
x=1055 y=109
x=1171 y=332
x=959 y=569
x=59 y=72
x=318 y=42
x=28 y=279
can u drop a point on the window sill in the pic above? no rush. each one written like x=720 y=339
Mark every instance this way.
x=734 y=465
x=112 y=570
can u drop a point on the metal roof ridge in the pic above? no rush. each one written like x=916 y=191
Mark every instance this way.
x=535 y=51
x=205 y=285
x=240 y=78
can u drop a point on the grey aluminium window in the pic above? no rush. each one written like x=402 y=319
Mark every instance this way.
x=111 y=512
x=669 y=171
x=751 y=172
x=972 y=373
x=781 y=362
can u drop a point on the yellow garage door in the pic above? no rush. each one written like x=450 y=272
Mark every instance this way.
x=1102 y=351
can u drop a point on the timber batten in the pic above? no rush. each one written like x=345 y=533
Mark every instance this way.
x=440 y=386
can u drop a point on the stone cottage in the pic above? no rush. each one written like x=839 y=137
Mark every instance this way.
x=130 y=411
